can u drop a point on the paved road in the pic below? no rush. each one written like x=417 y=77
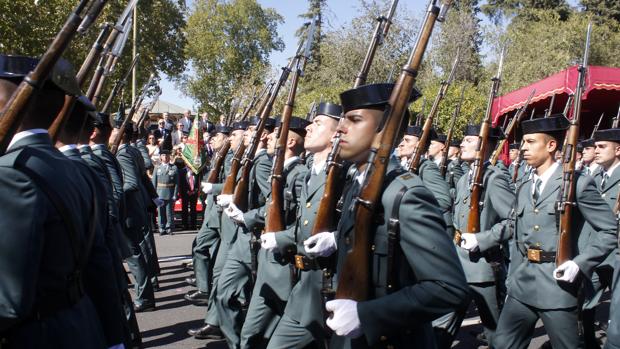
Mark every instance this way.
x=167 y=326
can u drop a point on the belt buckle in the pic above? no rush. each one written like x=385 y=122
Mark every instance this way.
x=533 y=255
x=299 y=262
x=457 y=237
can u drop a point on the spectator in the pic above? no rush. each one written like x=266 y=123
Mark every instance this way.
x=186 y=120
x=153 y=148
x=177 y=135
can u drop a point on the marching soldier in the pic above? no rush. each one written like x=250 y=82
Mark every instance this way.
x=589 y=166
x=47 y=284
x=400 y=317
x=302 y=323
x=165 y=180
x=537 y=288
x=436 y=147
x=480 y=253
x=207 y=240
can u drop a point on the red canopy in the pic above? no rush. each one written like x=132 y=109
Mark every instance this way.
x=601 y=95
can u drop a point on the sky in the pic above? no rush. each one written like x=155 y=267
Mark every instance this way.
x=339 y=12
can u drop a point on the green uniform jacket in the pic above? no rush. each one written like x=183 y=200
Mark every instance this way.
x=144 y=152
x=37 y=256
x=498 y=198
x=429 y=277
x=431 y=177
x=224 y=172
x=165 y=177
x=535 y=227
x=454 y=171
x=135 y=209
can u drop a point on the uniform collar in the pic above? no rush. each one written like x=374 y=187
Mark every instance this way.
x=23 y=134
x=290 y=160
x=67 y=147
x=611 y=170
x=544 y=178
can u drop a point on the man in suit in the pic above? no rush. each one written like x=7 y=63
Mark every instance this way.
x=302 y=322
x=396 y=313
x=186 y=120
x=46 y=284
x=273 y=278
x=165 y=180
x=135 y=221
x=480 y=252
x=177 y=135
x=161 y=132
x=537 y=287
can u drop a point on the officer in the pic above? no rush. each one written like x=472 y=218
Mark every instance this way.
x=234 y=284
x=135 y=221
x=207 y=240
x=273 y=278
x=537 y=287
x=480 y=253
x=401 y=316
x=227 y=229
x=43 y=280
x=165 y=180
x=607 y=157
x=302 y=323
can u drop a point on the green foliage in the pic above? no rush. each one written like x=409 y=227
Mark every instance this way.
x=609 y=9
x=228 y=45
x=499 y=10
x=28 y=29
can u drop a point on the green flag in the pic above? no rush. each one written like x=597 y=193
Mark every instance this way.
x=193 y=153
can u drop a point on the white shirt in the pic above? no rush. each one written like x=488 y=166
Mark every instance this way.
x=64 y=148
x=437 y=161
x=611 y=170
x=23 y=134
x=318 y=167
x=289 y=160
x=544 y=178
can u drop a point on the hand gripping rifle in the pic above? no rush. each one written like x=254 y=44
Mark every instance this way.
x=119 y=136
x=510 y=129
x=240 y=195
x=567 y=195
x=422 y=146
x=444 y=153
x=354 y=279
x=12 y=114
x=274 y=218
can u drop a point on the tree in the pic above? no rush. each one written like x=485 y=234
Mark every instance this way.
x=228 y=44
x=316 y=9
x=498 y=10
x=27 y=29
x=602 y=8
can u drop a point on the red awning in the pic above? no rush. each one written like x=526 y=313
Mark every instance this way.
x=601 y=95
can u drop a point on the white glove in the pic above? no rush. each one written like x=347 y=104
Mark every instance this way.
x=235 y=214
x=469 y=241
x=207 y=188
x=344 y=321
x=158 y=202
x=268 y=241
x=224 y=200
x=566 y=272
x=321 y=244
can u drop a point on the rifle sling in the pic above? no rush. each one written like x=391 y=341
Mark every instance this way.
x=393 y=239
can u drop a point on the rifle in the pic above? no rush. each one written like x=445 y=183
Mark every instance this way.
x=147 y=108
x=12 y=113
x=354 y=276
x=598 y=124
x=119 y=135
x=119 y=85
x=274 y=218
x=70 y=100
x=444 y=153
x=381 y=30
x=550 y=110
x=421 y=147
x=566 y=195
x=616 y=120
x=512 y=126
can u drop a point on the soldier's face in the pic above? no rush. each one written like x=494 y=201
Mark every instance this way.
x=435 y=148
x=453 y=151
x=588 y=154
x=538 y=148
x=358 y=131
x=319 y=133
x=271 y=141
x=407 y=146
x=512 y=154
x=469 y=145
x=606 y=153
x=236 y=137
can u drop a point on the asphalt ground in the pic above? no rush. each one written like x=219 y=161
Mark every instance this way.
x=167 y=326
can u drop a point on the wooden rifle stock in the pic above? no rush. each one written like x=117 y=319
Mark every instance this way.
x=422 y=146
x=218 y=161
x=12 y=113
x=567 y=197
x=476 y=186
x=354 y=276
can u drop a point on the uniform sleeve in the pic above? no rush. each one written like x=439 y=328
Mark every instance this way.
x=441 y=286
x=457 y=171
x=437 y=185
x=286 y=241
x=154 y=178
x=599 y=215
x=501 y=199
x=21 y=246
x=129 y=168
x=263 y=170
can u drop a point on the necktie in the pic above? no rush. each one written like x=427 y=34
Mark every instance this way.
x=604 y=181
x=536 y=194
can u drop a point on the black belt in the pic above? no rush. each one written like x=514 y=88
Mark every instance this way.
x=540 y=256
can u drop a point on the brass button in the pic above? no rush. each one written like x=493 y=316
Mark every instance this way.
x=306 y=222
x=603 y=195
x=308 y=204
x=383 y=338
x=536 y=210
x=347 y=241
x=537 y=227
x=372 y=247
